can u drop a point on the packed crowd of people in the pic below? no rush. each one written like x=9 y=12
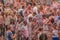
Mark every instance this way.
x=29 y=20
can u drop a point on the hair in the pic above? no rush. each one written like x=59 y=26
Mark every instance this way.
x=34 y=13
x=29 y=4
x=41 y=29
x=54 y=0
x=24 y=22
x=23 y=7
x=0 y=10
x=9 y=28
x=52 y=20
x=30 y=18
x=41 y=8
x=34 y=4
x=34 y=19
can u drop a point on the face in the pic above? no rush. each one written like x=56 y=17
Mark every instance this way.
x=30 y=19
x=26 y=14
x=25 y=22
x=12 y=28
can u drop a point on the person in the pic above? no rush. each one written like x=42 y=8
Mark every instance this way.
x=21 y=11
x=42 y=36
x=54 y=4
x=55 y=34
x=59 y=30
x=19 y=31
x=9 y=34
x=29 y=27
x=2 y=30
x=24 y=29
x=56 y=17
x=35 y=9
x=2 y=1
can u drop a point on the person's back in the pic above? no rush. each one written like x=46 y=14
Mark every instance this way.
x=9 y=35
x=43 y=37
x=55 y=35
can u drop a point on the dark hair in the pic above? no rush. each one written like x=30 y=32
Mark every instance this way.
x=29 y=4
x=24 y=22
x=30 y=18
x=40 y=29
x=54 y=0
x=0 y=9
x=52 y=20
x=21 y=13
x=22 y=7
x=34 y=13
x=2 y=14
x=43 y=36
x=34 y=4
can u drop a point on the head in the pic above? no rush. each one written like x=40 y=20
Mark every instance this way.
x=7 y=5
x=11 y=28
x=34 y=13
x=41 y=29
x=58 y=13
x=23 y=7
x=41 y=8
x=30 y=19
x=34 y=4
x=25 y=23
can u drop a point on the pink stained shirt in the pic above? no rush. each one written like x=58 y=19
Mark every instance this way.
x=25 y=31
x=55 y=5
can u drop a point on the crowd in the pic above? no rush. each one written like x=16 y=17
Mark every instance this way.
x=29 y=20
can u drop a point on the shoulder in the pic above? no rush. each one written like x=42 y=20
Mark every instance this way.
x=8 y=32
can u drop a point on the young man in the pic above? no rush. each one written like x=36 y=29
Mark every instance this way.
x=42 y=35
x=9 y=34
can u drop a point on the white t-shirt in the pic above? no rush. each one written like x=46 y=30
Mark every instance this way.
x=25 y=30
x=55 y=33
x=35 y=9
x=23 y=11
